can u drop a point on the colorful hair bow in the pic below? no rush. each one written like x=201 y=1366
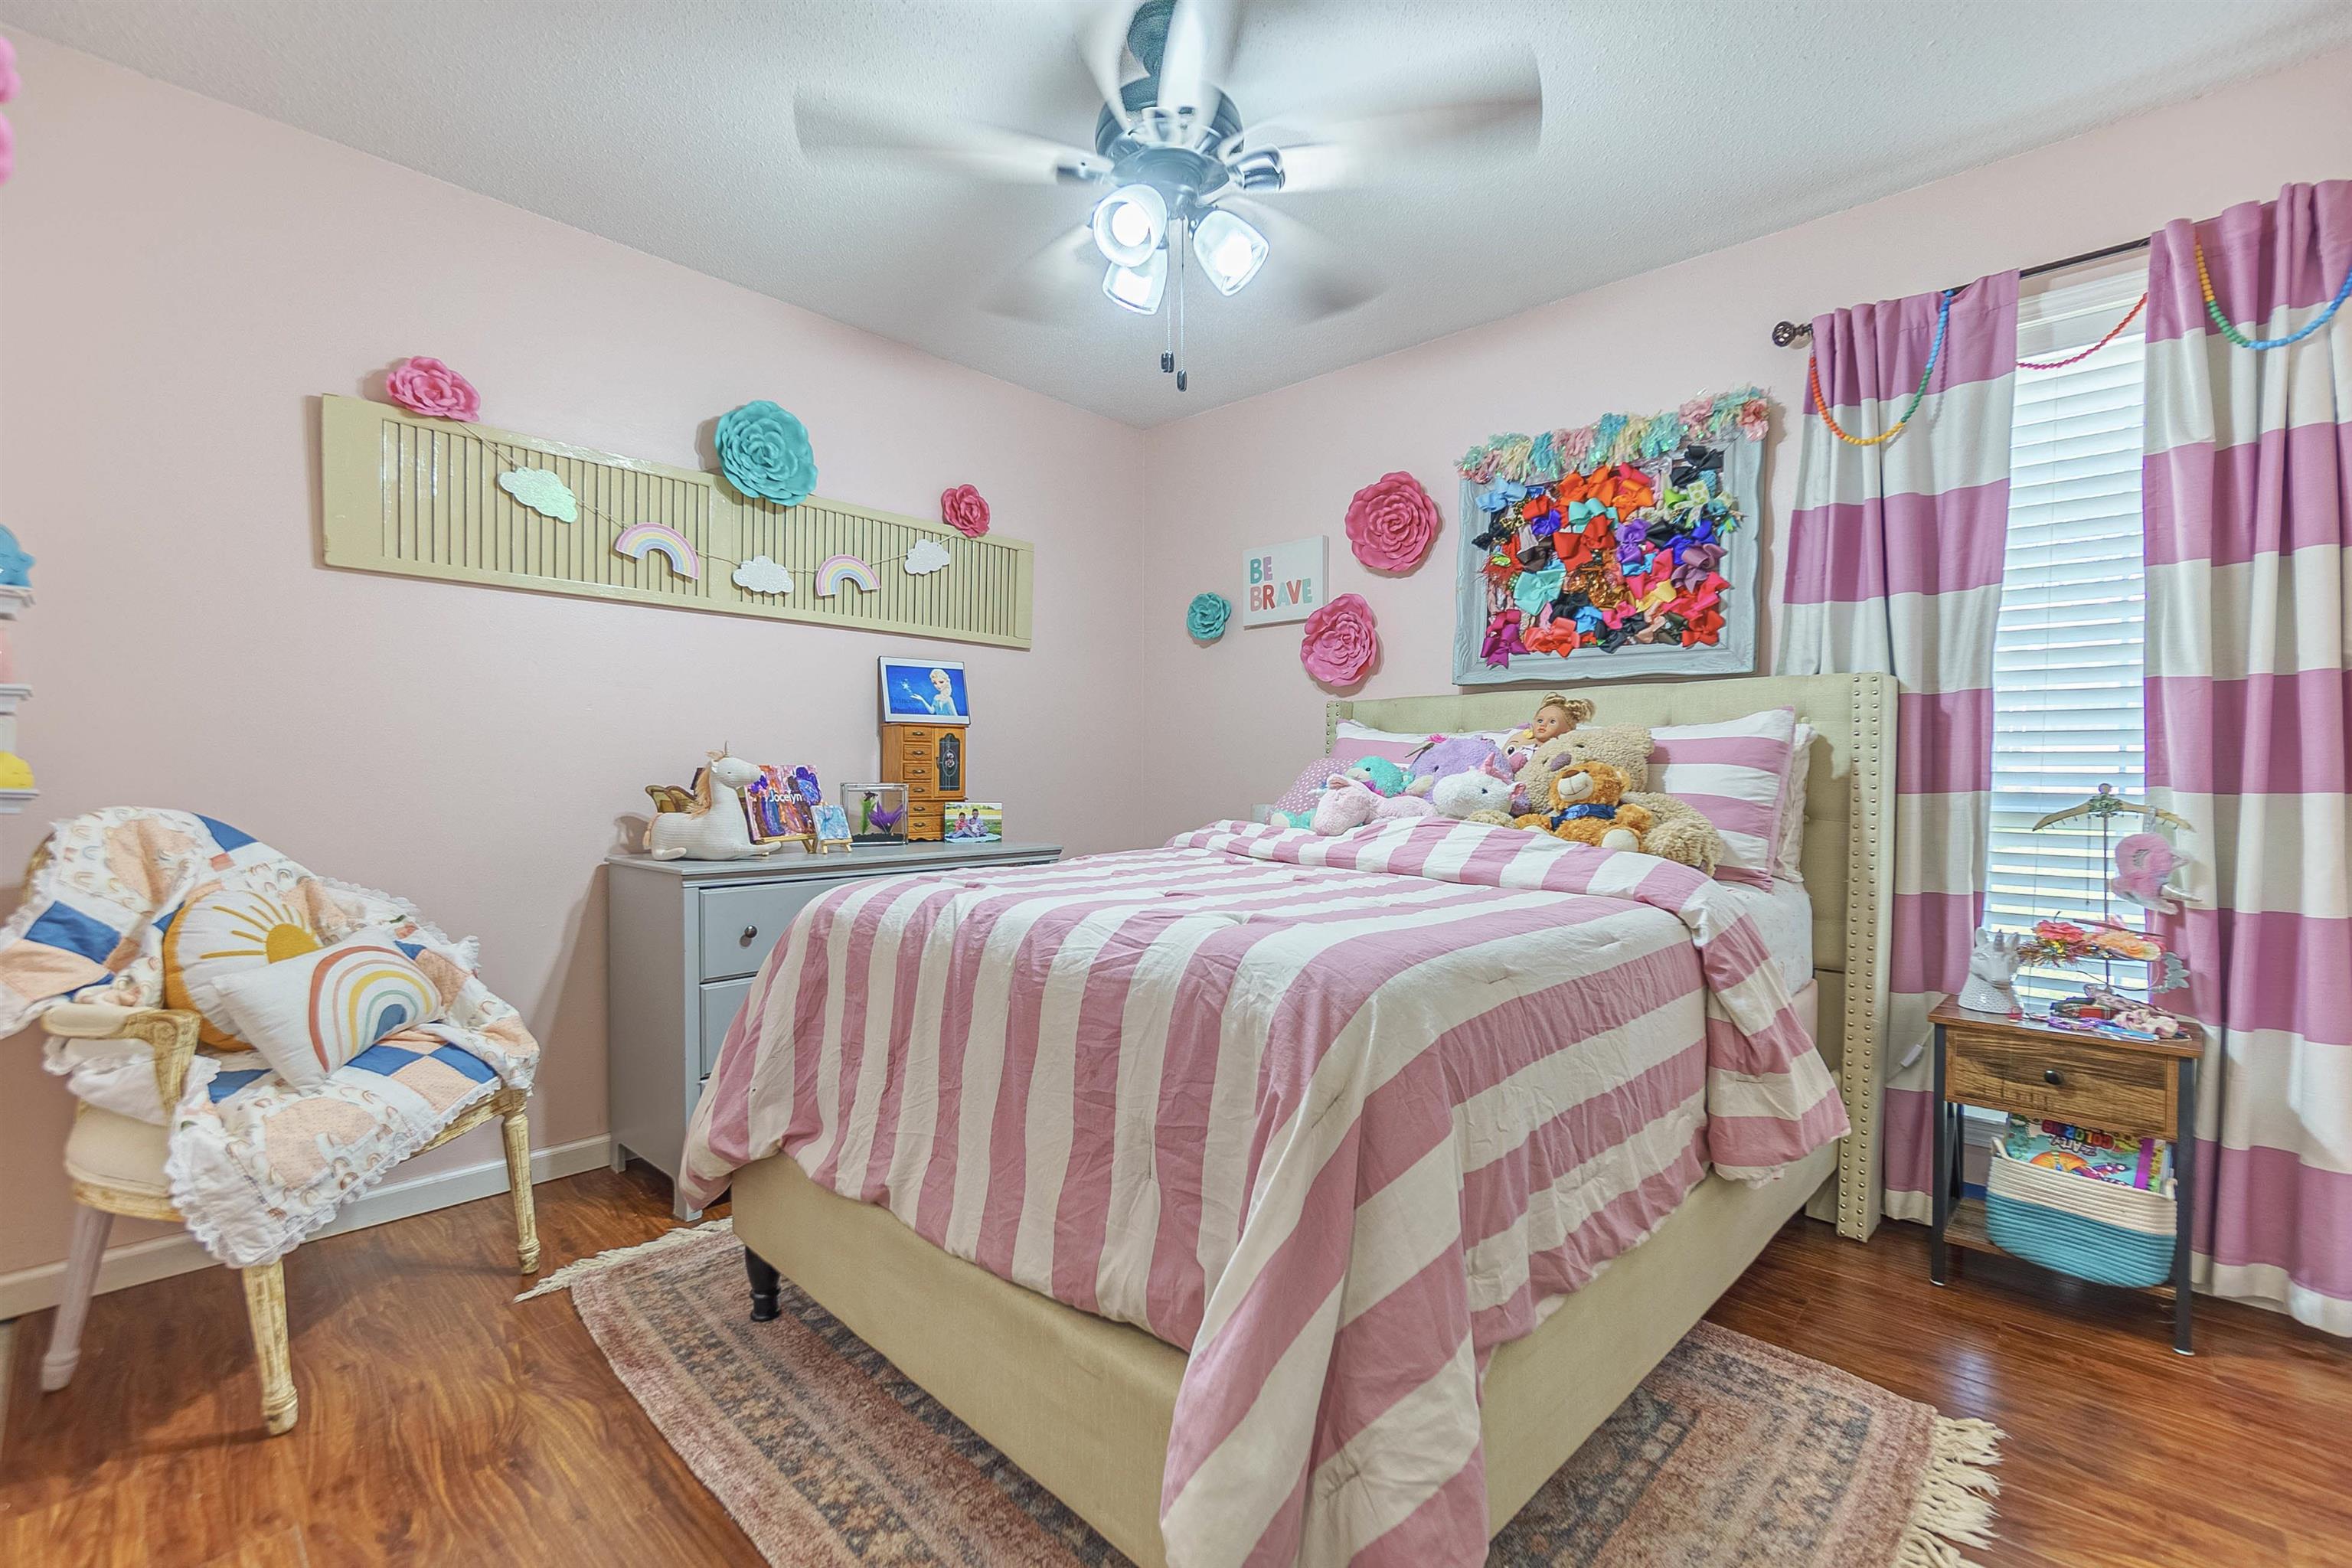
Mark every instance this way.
x=1503 y=638
x=1697 y=466
x=1531 y=591
x=1502 y=495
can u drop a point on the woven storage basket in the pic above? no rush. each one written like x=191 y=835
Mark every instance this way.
x=2093 y=1230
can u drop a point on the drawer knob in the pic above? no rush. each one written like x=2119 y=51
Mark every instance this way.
x=751 y=933
x=2053 y=1077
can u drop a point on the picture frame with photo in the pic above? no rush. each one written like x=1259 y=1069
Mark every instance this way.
x=923 y=691
x=973 y=821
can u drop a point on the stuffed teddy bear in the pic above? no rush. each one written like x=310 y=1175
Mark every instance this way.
x=1588 y=807
x=1677 y=832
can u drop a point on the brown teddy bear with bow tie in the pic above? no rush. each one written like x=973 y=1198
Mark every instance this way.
x=1589 y=806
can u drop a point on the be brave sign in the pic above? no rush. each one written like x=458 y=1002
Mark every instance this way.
x=1283 y=582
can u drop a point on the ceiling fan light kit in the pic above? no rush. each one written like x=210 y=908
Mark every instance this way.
x=1137 y=289
x=1230 y=251
x=1175 y=158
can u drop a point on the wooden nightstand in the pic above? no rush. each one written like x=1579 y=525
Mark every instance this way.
x=2141 y=1089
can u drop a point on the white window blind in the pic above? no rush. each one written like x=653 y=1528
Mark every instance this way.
x=2068 y=651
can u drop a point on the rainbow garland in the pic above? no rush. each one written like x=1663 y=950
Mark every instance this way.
x=1740 y=415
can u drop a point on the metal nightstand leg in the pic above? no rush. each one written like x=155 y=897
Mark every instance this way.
x=2184 y=1171
x=1939 y=1172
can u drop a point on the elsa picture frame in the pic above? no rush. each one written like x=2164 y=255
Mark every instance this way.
x=924 y=692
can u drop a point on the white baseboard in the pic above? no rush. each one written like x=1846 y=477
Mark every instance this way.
x=139 y=1262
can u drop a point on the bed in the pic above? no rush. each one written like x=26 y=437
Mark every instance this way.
x=1087 y=1404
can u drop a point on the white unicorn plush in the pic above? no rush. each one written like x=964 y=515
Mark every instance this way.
x=710 y=826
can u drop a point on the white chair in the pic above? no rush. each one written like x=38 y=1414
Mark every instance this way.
x=115 y=1165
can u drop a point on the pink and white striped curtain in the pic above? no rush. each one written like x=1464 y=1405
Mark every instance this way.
x=2248 y=495
x=1895 y=564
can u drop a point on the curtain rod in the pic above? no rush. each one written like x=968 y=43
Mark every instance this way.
x=1787 y=332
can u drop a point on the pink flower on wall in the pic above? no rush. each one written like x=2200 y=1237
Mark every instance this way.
x=1392 y=522
x=426 y=386
x=965 y=510
x=1341 y=642
x=9 y=83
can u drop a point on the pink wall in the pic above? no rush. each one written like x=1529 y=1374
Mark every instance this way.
x=1282 y=466
x=179 y=280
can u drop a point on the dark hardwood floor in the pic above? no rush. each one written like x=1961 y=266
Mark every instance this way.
x=443 y=1425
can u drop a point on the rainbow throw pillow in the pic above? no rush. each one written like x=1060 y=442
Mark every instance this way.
x=310 y=1014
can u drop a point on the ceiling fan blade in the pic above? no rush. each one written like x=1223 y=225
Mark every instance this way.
x=1320 y=273
x=1363 y=135
x=1102 y=44
x=1059 y=279
x=1196 y=57
x=829 y=127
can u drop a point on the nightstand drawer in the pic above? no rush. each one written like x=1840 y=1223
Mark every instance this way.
x=2059 y=1080
x=720 y=1003
x=741 y=924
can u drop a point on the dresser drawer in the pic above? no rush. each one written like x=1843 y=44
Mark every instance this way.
x=918 y=774
x=2057 y=1080
x=739 y=924
x=926 y=823
x=720 y=1003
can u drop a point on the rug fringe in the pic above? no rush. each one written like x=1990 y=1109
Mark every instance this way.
x=1954 y=1508
x=580 y=1269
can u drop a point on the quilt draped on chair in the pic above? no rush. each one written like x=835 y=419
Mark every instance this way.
x=1894 y=566
x=2248 y=486
x=256 y=1163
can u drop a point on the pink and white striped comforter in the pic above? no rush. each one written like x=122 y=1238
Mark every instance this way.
x=1335 y=1115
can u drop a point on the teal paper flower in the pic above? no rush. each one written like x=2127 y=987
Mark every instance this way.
x=764 y=452
x=1205 y=618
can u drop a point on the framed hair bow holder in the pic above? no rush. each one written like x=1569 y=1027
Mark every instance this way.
x=1628 y=548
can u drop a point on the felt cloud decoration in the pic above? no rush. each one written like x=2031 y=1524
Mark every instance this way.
x=760 y=574
x=927 y=556
x=541 y=491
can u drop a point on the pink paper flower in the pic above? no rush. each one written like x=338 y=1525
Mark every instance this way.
x=1341 y=642
x=9 y=80
x=7 y=150
x=964 y=509
x=1755 y=418
x=426 y=386
x=1392 y=522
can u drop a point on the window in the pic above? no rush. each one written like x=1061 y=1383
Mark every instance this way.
x=2068 y=649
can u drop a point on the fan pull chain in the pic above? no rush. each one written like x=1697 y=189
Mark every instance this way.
x=1176 y=248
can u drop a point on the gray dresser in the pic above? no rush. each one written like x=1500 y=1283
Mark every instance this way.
x=682 y=940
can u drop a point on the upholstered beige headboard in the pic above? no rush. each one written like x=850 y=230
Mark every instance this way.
x=1848 y=858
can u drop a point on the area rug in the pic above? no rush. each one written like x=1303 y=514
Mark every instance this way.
x=1731 y=1453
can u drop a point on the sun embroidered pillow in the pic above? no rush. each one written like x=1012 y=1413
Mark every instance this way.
x=220 y=930
x=1733 y=773
x=309 y=1016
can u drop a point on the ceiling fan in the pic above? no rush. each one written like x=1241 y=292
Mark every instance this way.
x=1181 y=170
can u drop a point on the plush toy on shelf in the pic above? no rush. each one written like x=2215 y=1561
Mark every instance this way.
x=1588 y=807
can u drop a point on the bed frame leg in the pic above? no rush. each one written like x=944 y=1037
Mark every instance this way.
x=765 y=1283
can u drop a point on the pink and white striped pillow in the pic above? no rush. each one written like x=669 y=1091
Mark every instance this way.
x=1733 y=773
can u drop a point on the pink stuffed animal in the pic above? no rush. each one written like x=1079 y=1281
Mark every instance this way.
x=1349 y=803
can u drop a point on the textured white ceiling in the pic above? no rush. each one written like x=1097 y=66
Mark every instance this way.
x=1671 y=129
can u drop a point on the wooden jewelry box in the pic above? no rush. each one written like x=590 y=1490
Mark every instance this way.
x=932 y=761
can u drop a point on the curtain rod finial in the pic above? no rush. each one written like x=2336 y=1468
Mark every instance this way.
x=1787 y=332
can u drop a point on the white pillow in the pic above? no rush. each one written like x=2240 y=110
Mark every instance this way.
x=1786 y=866
x=310 y=1014
x=1733 y=773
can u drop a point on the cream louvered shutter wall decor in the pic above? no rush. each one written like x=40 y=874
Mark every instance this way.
x=2067 y=710
x=421 y=498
